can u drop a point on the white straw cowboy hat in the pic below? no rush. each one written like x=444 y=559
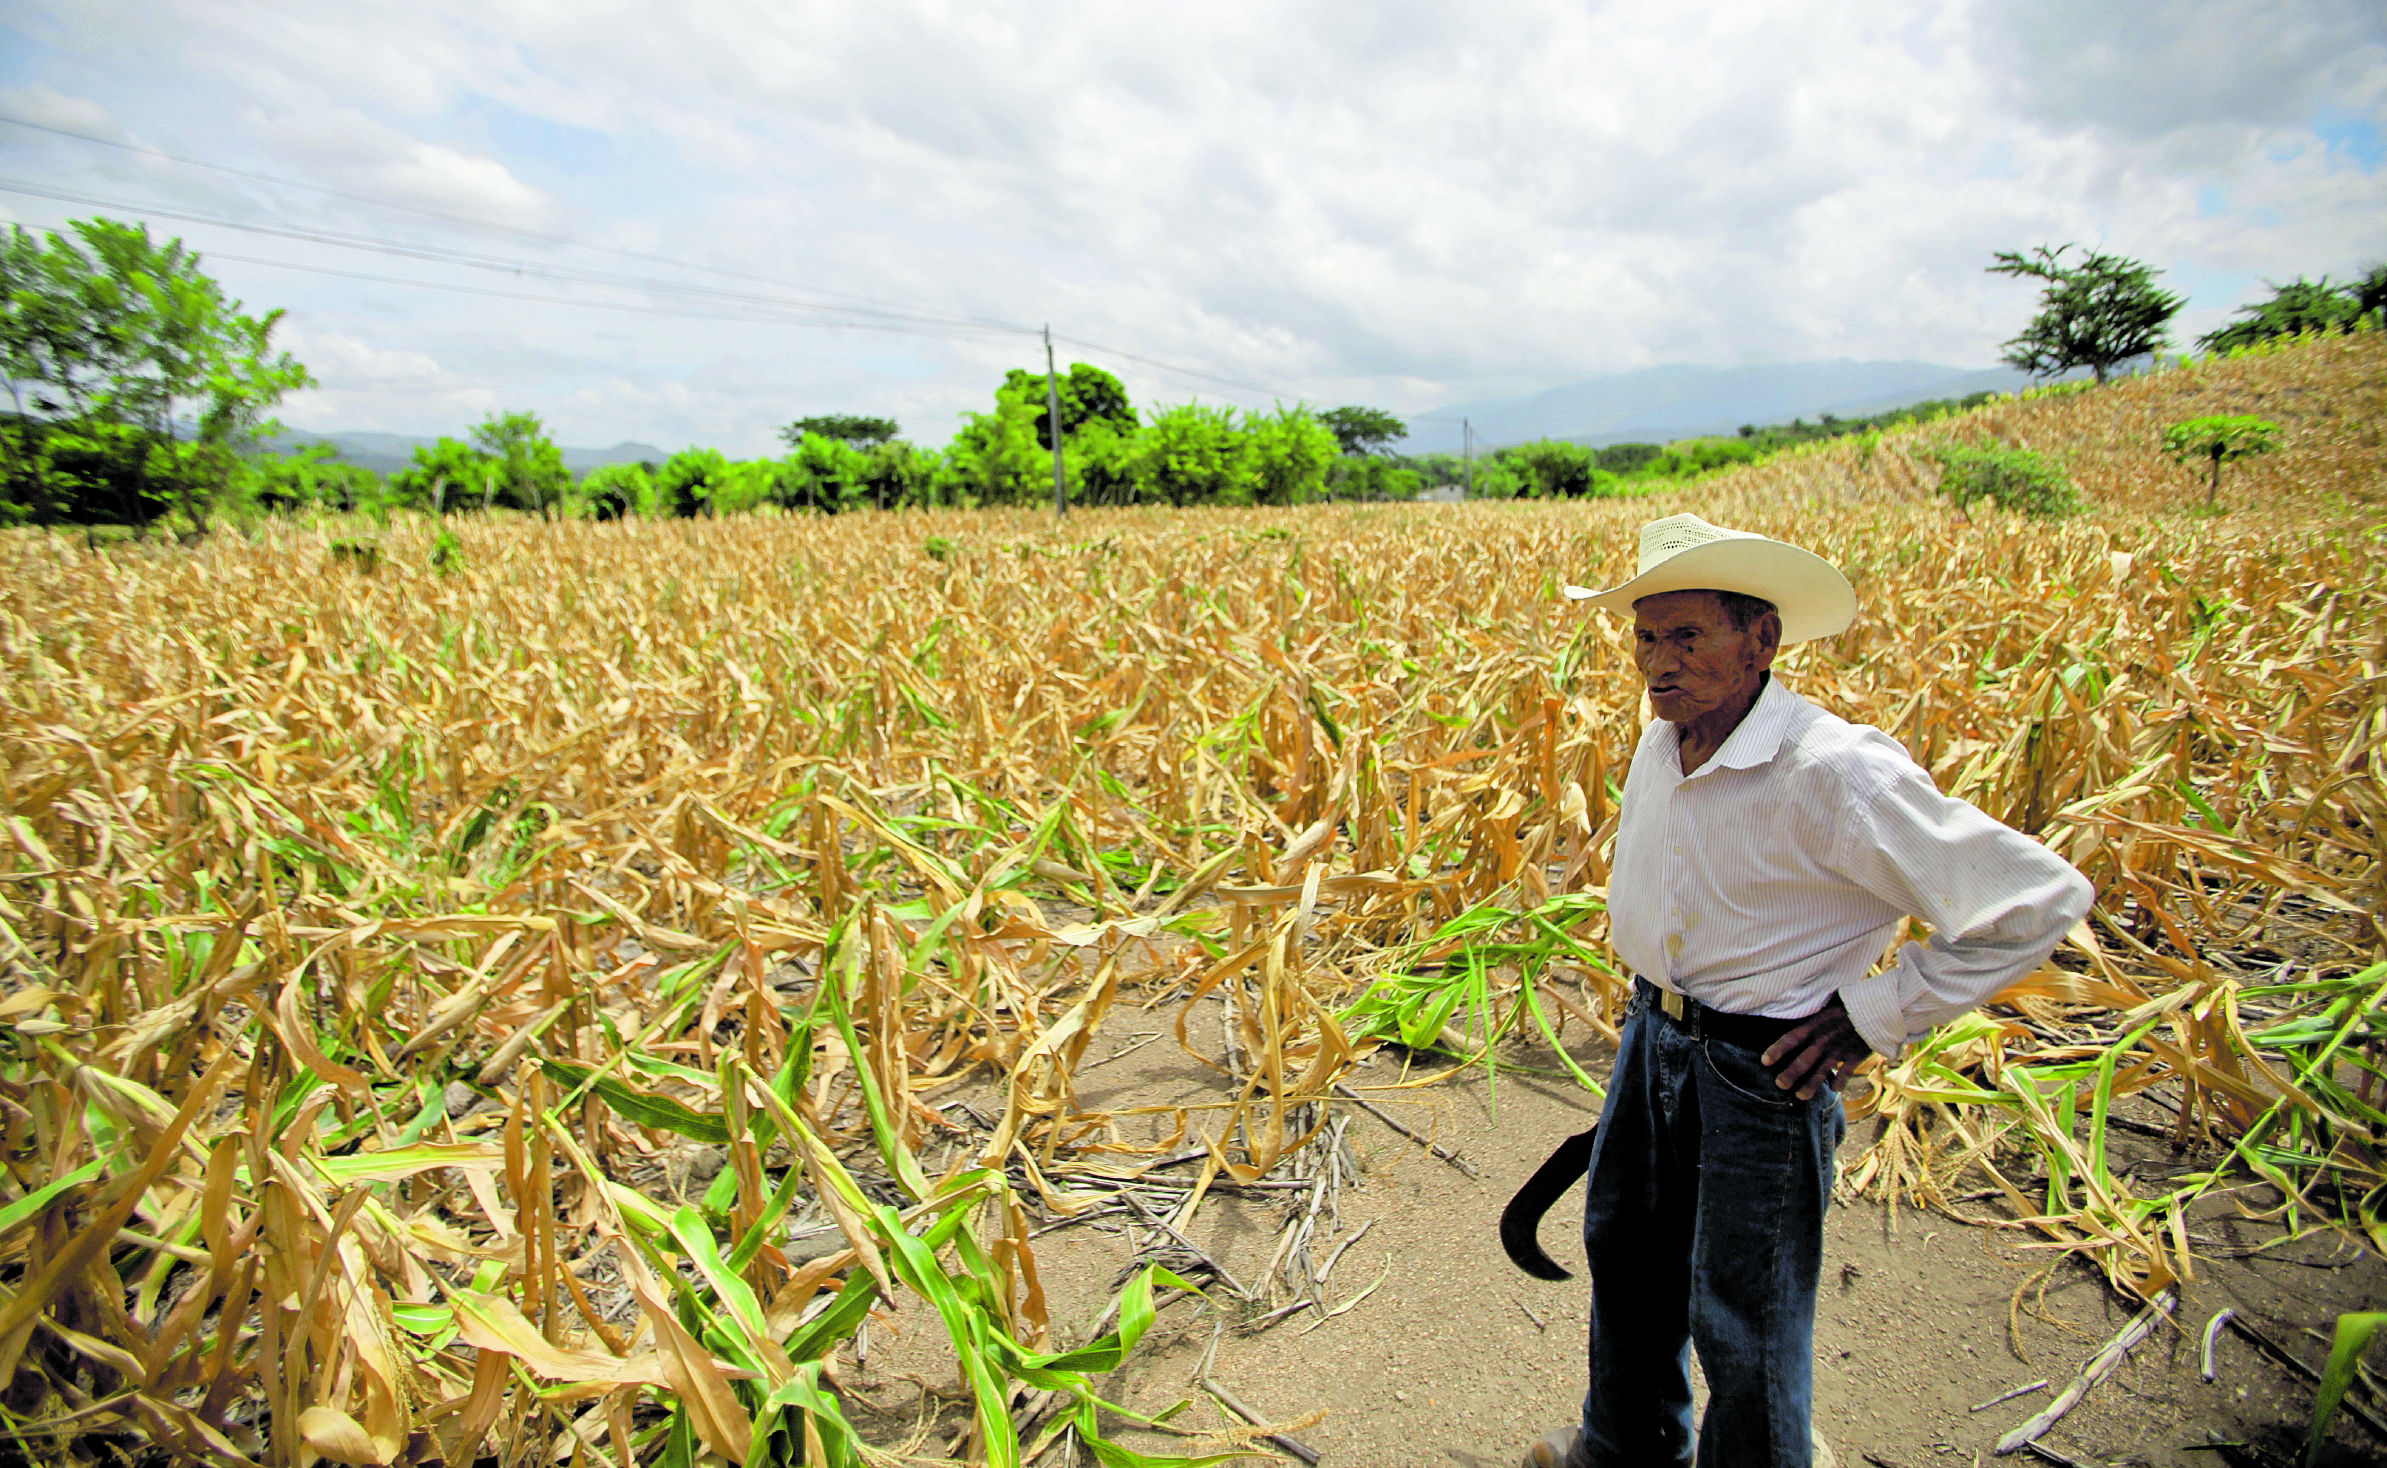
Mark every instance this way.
x=1685 y=553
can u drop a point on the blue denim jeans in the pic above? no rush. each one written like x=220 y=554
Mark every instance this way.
x=1703 y=1223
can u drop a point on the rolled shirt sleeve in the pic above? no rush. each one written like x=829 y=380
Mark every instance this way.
x=1997 y=901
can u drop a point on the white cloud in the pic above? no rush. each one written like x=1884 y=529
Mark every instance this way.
x=44 y=107
x=344 y=147
x=1395 y=202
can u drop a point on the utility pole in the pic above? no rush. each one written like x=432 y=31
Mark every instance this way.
x=1052 y=409
x=1466 y=459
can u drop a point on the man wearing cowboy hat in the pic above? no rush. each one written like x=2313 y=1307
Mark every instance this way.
x=1764 y=854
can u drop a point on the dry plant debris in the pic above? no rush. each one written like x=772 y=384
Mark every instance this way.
x=503 y=1013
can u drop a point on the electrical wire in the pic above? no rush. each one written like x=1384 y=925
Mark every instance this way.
x=957 y=327
x=441 y=255
x=467 y=220
x=895 y=316
x=680 y=314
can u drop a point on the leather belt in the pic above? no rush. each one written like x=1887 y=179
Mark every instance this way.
x=1750 y=1031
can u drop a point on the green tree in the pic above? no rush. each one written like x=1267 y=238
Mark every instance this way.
x=1087 y=393
x=2097 y=314
x=1498 y=476
x=1553 y=468
x=446 y=475
x=528 y=469
x=2370 y=296
x=1193 y=455
x=2299 y=306
x=312 y=478
x=1371 y=477
x=2012 y=479
x=1289 y=451
x=113 y=332
x=1363 y=430
x=618 y=491
x=689 y=482
x=824 y=474
x=1097 y=461
x=847 y=428
x=897 y=475
x=995 y=458
x=2220 y=438
x=1632 y=458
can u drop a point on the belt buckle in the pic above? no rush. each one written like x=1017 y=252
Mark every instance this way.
x=1672 y=1003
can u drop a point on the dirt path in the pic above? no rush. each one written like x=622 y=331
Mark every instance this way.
x=1455 y=1357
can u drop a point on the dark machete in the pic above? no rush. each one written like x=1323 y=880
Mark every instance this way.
x=1523 y=1215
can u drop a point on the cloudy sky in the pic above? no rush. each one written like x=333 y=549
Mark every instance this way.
x=691 y=223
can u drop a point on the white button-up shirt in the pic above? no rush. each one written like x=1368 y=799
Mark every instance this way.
x=1770 y=878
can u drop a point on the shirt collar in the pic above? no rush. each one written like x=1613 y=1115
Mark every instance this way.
x=1759 y=736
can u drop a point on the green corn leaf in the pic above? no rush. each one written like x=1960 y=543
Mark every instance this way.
x=804 y=1393
x=642 y=1107
x=33 y=1203
x=2345 y=1353
x=696 y=1240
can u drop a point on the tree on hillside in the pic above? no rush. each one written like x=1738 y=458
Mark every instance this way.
x=1631 y=458
x=852 y=429
x=2299 y=306
x=112 y=342
x=2222 y=439
x=1363 y=430
x=2370 y=295
x=2097 y=314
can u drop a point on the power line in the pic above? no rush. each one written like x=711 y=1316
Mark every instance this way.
x=956 y=324
x=474 y=290
x=474 y=260
x=1180 y=371
x=462 y=219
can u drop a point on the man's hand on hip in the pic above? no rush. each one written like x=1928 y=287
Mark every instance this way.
x=1820 y=1052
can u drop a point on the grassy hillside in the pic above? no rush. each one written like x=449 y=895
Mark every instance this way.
x=2328 y=395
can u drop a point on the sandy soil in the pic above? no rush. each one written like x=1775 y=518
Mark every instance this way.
x=1456 y=1357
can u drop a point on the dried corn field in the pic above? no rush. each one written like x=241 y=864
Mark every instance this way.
x=376 y=939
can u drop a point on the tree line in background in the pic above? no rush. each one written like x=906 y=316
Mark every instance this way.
x=138 y=391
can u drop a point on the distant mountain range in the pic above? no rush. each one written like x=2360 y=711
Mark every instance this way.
x=1660 y=404
x=384 y=453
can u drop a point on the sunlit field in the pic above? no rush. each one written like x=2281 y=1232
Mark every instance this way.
x=375 y=932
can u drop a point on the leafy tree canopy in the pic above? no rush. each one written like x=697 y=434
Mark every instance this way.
x=2370 y=295
x=1554 y=468
x=2097 y=314
x=1088 y=395
x=847 y=428
x=509 y=463
x=2299 y=306
x=2220 y=438
x=1363 y=430
x=113 y=330
x=530 y=472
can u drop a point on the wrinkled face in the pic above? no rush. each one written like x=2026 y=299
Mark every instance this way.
x=1691 y=657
